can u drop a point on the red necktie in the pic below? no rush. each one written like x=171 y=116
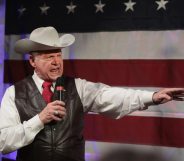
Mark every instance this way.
x=47 y=93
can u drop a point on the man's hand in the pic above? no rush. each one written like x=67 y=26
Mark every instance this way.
x=168 y=94
x=53 y=111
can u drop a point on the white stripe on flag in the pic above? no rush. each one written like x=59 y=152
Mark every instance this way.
x=119 y=45
x=95 y=150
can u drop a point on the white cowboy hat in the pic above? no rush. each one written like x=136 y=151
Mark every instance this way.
x=43 y=38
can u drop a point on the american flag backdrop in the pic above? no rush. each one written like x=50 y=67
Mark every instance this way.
x=123 y=43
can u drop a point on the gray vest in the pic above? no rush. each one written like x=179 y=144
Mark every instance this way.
x=58 y=141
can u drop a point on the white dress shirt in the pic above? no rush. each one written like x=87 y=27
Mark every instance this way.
x=95 y=97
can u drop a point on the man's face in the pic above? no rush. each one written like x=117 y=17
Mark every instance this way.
x=47 y=65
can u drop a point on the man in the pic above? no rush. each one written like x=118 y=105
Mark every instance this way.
x=42 y=129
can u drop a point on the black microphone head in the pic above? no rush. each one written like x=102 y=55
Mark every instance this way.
x=60 y=81
x=59 y=93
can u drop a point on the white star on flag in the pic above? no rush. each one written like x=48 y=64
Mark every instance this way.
x=129 y=5
x=161 y=4
x=99 y=7
x=44 y=9
x=21 y=10
x=71 y=8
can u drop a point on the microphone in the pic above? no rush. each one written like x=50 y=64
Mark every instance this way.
x=60 y=91
x=59 y=94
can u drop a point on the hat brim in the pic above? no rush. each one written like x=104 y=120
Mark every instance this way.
x=24 y=46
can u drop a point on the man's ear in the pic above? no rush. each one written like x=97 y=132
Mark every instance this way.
x=32 y=61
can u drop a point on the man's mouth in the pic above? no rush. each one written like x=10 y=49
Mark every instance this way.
x=56 y=70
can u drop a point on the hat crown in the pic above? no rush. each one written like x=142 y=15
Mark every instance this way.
x=43 y=38
x=45 y=35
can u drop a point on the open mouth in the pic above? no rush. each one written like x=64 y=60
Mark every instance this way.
x=57 y=70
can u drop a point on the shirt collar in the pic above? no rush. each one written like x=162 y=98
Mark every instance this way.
x=38 y=81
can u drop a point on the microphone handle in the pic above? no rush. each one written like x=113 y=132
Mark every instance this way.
x=61 y=95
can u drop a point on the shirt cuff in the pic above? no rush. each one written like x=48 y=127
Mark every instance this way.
x=148 y=99
x=35 y=124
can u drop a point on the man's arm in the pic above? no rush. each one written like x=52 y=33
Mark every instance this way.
x=14 y=134
x=117 y=102
x=111 y=101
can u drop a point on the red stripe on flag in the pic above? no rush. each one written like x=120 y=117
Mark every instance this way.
x=153 y=73
x=136 y=130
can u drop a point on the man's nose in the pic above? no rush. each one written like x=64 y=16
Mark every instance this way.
x=56 y=60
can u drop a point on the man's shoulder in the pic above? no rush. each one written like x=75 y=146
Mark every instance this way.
x=26 y=79
x=22 y=84
x=68 y=79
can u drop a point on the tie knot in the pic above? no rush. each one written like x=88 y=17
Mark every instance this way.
x=47 y=84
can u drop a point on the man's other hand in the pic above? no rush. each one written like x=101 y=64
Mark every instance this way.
x=168 y=94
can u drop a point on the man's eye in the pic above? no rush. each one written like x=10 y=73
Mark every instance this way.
x=49 y=57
